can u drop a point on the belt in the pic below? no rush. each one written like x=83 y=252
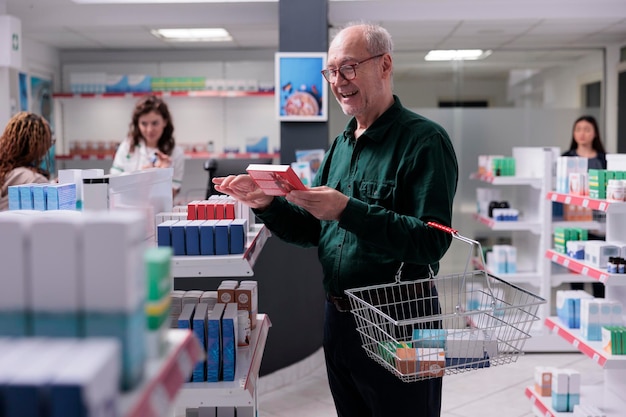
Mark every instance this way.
x=342 y=304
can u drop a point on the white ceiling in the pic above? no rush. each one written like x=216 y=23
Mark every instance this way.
x=522 y=33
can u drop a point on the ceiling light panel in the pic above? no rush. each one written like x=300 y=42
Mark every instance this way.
x=457 y=55
x=193 y=35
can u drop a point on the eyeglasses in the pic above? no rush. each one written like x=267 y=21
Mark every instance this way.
x=348 y=72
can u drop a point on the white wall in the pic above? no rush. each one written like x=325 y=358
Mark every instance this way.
x=557 y=88
x=37 y=59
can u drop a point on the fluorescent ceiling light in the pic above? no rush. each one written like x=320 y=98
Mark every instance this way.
x=457 y=55
x=193 y=35
x=168 y=1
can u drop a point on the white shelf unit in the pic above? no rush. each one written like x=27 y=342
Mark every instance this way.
x=155 y=396
x=530 y=235
x=199 y=116
x=542 y=406
x=609 y=395
x=240 y=393
x=224 y=265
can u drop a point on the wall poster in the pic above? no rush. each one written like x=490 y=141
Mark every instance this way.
x=300 y=88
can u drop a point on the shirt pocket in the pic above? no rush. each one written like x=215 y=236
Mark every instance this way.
x=373 y=192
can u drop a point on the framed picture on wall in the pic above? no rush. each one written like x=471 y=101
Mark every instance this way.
x=300 y=88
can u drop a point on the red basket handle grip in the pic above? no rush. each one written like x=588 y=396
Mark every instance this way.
x=444 y=228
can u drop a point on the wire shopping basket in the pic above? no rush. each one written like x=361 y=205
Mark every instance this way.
x=446 y=325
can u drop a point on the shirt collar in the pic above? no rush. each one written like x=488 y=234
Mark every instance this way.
x=377 y=130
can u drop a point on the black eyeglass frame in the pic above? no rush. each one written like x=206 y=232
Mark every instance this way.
x=328 y=73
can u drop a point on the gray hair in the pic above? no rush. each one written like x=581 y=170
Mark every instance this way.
x=377 y=37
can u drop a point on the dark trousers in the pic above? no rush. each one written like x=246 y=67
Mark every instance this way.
x=363 y=388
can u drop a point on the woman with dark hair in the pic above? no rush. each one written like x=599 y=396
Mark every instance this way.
x=23 y=146
x=150 y=142
x=586 y=143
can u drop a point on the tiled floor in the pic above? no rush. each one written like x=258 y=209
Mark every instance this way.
x=302 y=389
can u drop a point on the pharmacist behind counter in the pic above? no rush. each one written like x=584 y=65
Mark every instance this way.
x=24 y=145
x=150 y=142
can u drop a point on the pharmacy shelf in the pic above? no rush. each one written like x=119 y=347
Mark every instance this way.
x=531 y=277
x=608 y=402
x=586 y=225
x=224 y=265
x=613 y=207
x=164 y=377
x=242 y=391
x=592 y=349
x=188 y=155
x=583 y=268
x=190 y=93
x=534 y=227
x=533 y=182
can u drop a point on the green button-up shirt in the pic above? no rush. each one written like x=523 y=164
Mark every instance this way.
x=401 y=173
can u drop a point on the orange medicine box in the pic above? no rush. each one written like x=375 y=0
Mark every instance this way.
x=406 y=360
x=543 y=380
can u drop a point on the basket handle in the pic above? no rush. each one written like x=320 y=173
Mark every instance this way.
x=474 y=246
x=442 y=227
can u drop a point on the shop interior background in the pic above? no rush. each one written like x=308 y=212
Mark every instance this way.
x=551 y=61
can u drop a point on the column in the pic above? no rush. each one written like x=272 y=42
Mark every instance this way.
x=303 y=28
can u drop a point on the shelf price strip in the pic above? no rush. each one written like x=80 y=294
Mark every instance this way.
x=576 y=342
x=160 y=393
x=600 y=205
x=532 y=396
x=576 y=266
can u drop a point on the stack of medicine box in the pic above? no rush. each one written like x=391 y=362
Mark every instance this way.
x=565 y=390
x=42 y=197
x=614 y=340
x=65 y=377
x=562 y=235
x=502 y=259
x=565 y=166
x=596 y=313
x=114 y=285
x=203 y=237
x=159 y=284
x=543 y=380
x=598 y=180
x=86 y=279
x=568 y=306
x=76 y=176
x=247 y=297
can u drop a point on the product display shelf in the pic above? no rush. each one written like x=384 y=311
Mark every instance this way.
x=224 y=265
x=188 y=155
x=533 y=182
x=517 y=277
x=579 y=266
x=608 y=402
x=590 y=348
x=604 y=396
x=587 y=225
x=240 y=393
x=531 y=226
x=615 y=231
x=531 y=236
x=609 y=207
x=164 y=377
x=533 y=230
x=182 y=93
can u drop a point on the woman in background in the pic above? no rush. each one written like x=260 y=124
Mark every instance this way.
x=23 y=146
x=586 y=143
x=150 y=142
